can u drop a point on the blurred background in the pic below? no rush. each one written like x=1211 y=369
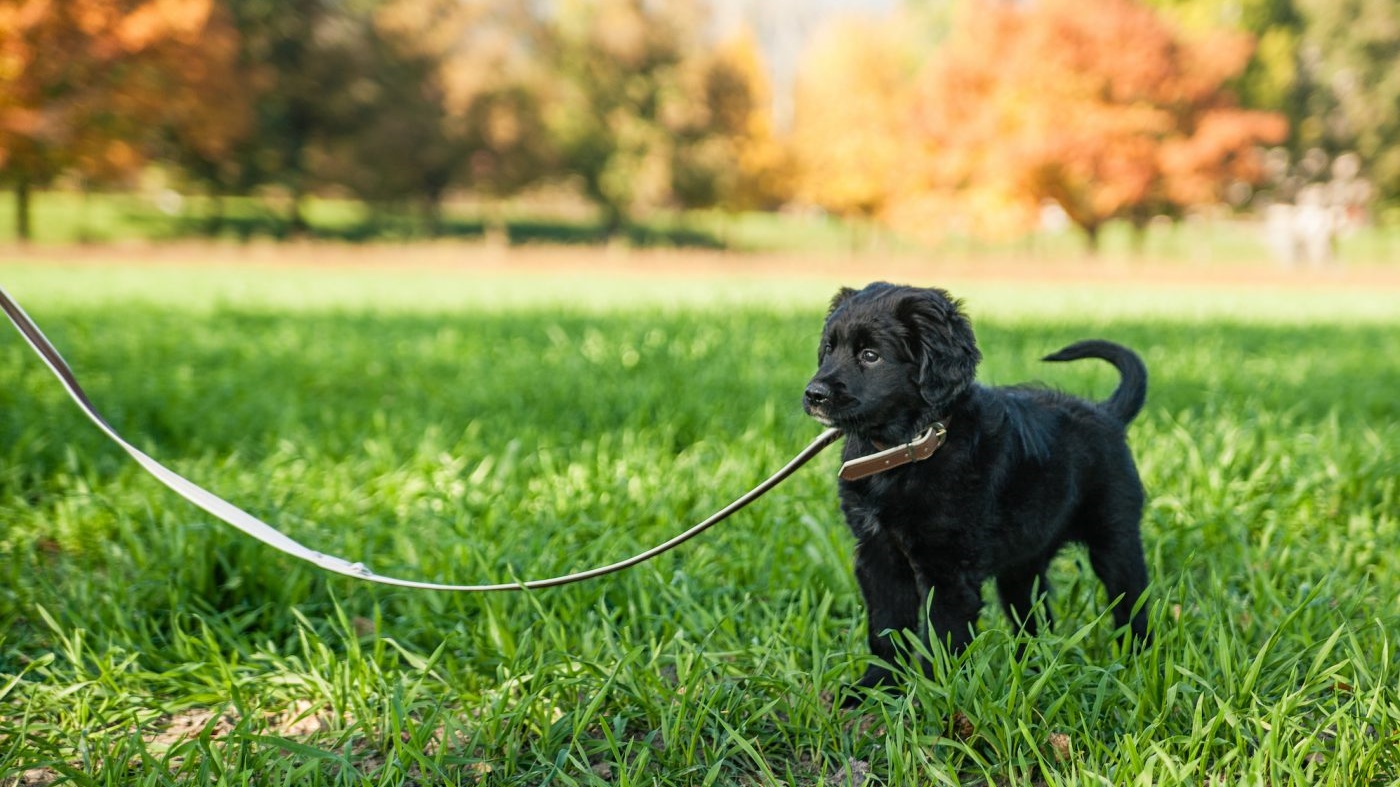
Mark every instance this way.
x=1263 y=129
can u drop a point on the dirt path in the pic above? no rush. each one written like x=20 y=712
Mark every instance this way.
x=476 y=258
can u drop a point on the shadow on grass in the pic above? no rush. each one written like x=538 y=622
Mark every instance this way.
x=517 y=231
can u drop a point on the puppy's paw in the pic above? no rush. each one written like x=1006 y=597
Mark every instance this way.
x=1135 y=641
x=850 y=697
x=876 y=680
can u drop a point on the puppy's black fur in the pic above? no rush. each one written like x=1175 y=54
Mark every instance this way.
x=1023 y=471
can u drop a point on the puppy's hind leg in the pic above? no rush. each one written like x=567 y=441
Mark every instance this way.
x=1115 y=552
x=1121 y=569
x=1023 y=591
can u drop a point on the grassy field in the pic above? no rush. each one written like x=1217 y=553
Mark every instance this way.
x=65 y=217
x=468 y=426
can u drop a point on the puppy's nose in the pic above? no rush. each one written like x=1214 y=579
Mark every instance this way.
x=817 y=394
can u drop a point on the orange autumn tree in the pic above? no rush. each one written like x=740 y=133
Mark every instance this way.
x=1107 y=111
x=87 y=85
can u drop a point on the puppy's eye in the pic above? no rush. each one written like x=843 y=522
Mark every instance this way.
x=869 y=357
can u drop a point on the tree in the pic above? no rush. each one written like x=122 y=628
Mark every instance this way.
x=384 y=138
x=208 y=111
x=1329 y=67
x=764 y=167
x=301 y=63
x=724 y=149
x=87 y=85
x=852 y=133
x=465 y=107
x=644 y=115
x=615 y=59
x=495 y=92
x=1349 y=84
x=1110 y=114
x=1269 y=76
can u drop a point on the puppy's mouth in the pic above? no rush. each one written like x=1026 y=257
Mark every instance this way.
x=827 y=415
x=854 y=419
x=829 y=404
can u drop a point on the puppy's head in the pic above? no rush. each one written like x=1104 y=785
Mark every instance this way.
x=892 y=360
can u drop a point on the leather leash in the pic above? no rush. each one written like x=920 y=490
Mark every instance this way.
x=251 y=525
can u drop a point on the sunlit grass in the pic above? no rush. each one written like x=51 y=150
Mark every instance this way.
x=408 y=420
x=62 y=217
x=450 y=279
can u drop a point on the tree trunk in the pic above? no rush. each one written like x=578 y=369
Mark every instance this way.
x=614 y=221
x=84 y=214
x=214 y=220
x=495 y=230
x=23 y=229
x=1139 y=238
x=1091 y=237
x=432 y=215
x=1140 y=220
x=296 y=220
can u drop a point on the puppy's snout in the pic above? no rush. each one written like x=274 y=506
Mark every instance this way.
x=817 y=394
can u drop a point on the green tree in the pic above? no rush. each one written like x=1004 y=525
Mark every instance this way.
x=1276 y=28
x=386 y=139
x=644 y=114
x=296 y=58
x=725 y=151
x=1349 y=84
x=485 y=73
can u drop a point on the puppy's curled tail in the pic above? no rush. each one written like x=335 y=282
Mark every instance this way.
x=1126 y=402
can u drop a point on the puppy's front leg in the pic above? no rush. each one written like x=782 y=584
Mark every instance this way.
x=892 y=600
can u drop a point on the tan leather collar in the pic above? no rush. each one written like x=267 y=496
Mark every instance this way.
x=916 y=450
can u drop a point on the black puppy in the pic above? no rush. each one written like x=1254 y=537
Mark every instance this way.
x=1013 y=473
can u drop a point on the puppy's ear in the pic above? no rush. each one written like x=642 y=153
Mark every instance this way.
x=841 y=297
x=941 y=339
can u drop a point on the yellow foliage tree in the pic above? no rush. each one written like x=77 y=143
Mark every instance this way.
x=765 y=171
x=852 y=134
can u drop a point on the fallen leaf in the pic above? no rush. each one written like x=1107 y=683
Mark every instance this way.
x=303 y=718
x=962 y=726
x=1060 y=745
x=36 y=777
x=190 y=723
x=855 y=773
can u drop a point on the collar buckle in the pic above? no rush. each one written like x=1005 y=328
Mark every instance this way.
x=916 y=450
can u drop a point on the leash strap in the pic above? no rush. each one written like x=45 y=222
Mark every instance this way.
x=251 y=525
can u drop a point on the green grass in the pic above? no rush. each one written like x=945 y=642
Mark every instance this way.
x=394 y=418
